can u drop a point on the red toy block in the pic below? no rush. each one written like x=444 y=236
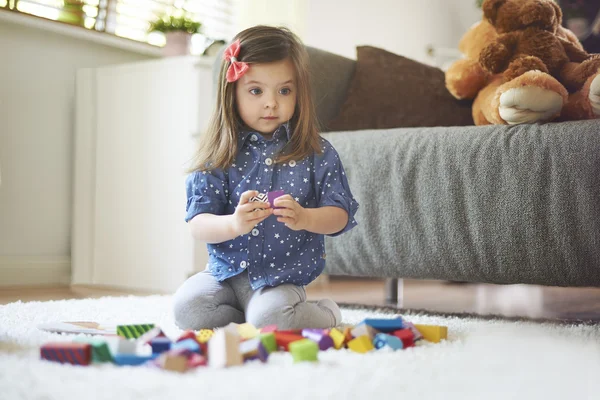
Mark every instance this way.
x=187 y=335
x=406 y=335
x=284 y=339
x=71 y=353
x=196 y=360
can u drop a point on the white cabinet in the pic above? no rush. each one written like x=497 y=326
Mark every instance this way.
x=136 y=128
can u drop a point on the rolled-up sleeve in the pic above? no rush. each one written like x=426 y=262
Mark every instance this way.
x=331 y=185
x=206 y=193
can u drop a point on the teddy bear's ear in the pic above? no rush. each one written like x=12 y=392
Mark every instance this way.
x=490 y=9
x=559 y=14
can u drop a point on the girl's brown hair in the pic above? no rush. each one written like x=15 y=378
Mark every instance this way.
x=260 y=44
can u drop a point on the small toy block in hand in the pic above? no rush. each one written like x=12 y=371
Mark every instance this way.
x=260 y=198
x=224 y=349
x=338 y=338
x=204 y=335
x=269 y=329
x=187 y=344
x=196 y=360
x=133 y=331
x=271 y=196
x=100 y=351
x=304 y=350
x=382 y=340
x=70 y=353
x=384 y=325
x=132 y=359
x=361 y=344
x=253 y=349
x=364 y=330
x=160 y=344
x=323 y=340
x=268 y=341
x=406 y=335
x=284 y=339
x=433 y=333
x=247 y=331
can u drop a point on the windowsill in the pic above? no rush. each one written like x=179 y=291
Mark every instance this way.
x=106 y=39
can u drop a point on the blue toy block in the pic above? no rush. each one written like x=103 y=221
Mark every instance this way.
x=188 y=344
x=385 y=325
x=132 y=359
x=382 y=340
x=160 y=344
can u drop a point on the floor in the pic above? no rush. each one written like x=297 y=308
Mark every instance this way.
x=509 y=300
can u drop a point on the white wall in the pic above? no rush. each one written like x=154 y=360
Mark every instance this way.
x=37 y=86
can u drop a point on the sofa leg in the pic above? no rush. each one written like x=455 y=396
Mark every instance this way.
x=394 y=291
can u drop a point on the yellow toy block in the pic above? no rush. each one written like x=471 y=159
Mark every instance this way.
x=433 y=333
x=204 y=335
x=247 y=331
x=361 y=344
x=338 y=338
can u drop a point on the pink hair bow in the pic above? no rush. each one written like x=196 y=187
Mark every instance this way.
x=236 y=68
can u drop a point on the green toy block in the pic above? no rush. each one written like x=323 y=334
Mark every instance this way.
x=304 y=350
x=133 y=331
x=268 y=340
x=100 y=350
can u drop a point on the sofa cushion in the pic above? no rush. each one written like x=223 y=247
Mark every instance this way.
x=390 y=91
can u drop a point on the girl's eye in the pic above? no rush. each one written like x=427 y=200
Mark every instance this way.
x=285 y=91
x=255 y=91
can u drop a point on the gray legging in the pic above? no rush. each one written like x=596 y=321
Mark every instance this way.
x=204 y=303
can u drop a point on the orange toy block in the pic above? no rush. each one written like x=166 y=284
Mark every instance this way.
x=224 y=349
x=348 y=335
x=361 y=344
x=284 y=339
x=433 y=333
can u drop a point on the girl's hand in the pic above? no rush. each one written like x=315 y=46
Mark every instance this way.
x=248 y=214
x=292 y=214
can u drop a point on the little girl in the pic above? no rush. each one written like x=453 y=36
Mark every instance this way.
x=263 y=137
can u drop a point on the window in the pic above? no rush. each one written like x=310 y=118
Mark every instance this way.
x=131 y=18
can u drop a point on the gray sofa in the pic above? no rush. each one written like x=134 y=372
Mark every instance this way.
x=496 y=204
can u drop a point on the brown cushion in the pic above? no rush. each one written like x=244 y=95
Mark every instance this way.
x=391 y=91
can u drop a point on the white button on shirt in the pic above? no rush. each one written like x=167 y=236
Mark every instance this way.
x=292 y=163
x=255 y=232
x=243 y=264
x=254 y=138
x=268 y=161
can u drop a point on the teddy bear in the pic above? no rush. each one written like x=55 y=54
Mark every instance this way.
x=520 y=65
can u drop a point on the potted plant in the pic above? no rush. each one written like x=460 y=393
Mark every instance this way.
x=178 y=31
x=72 y=12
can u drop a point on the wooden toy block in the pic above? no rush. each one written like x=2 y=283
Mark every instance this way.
x=188 y=344
x=433 y=333
x=338 y=338
x=187 y=335
x=176 y=363
x=224 y=349
x=253 y=349
x=323 y=340
x=232 y=327
x=382 y=340
x=364 y=330
x=151 y=334
x=69 y=353
x=271 y=196
x=269 y=342
x=132 y=359
x=247 y=331
x=204 y=335
x=291 y=332
x=100 y=351
x=118 y=345
x=407 y=337
x=284 y=339
x=304 y=350
x=361 y=344
x=196 y=360
x=347 y=335
x=415 y=331
x=133 y=331
x=269 y=329
x=160 y=344
x=385 y=325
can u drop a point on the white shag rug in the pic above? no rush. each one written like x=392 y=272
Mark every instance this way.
x=482 y=359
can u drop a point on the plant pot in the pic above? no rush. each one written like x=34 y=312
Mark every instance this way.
x=178 y=44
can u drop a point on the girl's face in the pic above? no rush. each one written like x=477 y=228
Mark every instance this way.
x=266 y=95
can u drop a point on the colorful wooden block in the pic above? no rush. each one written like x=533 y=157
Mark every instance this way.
x=69 y=353
x=323 y=340
x=247 y=331
x=269 y=342
x=151 y=334
x=174 y=362
x=284 y=339
x=188 y=344
x=187 y=335
x=269 y=329
x=204 y=335
x=364 y=330
x=348 y=335
x=118 y=345
x=304 y=350
x=271 y=196
x=224 y=349
x=361 y=344
x=384 y=325
x=338 y=338
x=160 y=344
x=416 y=334
x=132 y=359
x=100 y=351
x=196 y=360
x=253 y=349
x=382 y=340
x=133 y=331
x=433 y=333
x=407 y=337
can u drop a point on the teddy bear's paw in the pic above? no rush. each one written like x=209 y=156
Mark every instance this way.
x=529 y=104
x=594 y=95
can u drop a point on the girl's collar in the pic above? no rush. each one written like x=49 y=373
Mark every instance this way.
x=246 y=133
